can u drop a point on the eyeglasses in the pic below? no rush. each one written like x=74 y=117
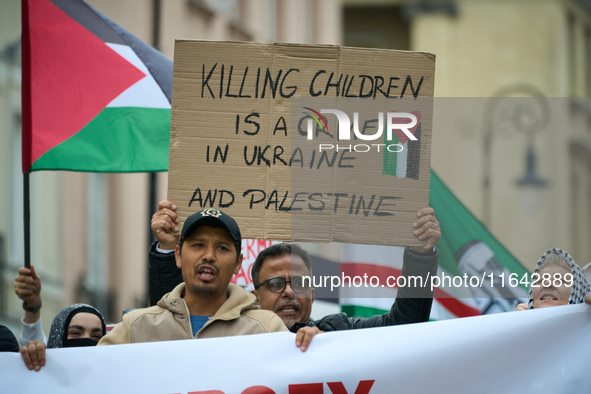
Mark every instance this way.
x=277 y=285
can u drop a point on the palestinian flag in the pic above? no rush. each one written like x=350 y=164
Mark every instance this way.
x=94 y=97
x=403 y=164
x=465 y=247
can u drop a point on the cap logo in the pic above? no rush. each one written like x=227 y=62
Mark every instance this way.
x=211 y=212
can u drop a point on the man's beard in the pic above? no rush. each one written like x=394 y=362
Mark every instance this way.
x=207 y=288
x=291 y=320
x=204 y=289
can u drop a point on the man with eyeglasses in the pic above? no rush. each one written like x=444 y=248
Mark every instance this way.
x=277 y=274
x=283 y=264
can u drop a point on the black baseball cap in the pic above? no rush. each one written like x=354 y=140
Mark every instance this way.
x=212 y=215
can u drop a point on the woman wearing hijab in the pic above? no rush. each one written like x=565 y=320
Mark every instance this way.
x=556 y=280
x=75 y=326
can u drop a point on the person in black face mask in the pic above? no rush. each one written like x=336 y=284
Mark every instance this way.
x=75 y=326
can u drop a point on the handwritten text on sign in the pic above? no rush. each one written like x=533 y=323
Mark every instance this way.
x=257 y=131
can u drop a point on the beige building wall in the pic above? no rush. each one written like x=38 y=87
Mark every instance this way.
x=515 y=48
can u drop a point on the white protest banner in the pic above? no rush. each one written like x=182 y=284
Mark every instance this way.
x=313 y=143
x=545 y=350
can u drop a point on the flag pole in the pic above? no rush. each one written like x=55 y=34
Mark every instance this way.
x=26 y=125
x=27 y=219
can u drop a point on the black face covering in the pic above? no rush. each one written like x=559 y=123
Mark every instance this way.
x=79 y=342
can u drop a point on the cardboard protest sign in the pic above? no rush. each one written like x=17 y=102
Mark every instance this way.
x=309 y=143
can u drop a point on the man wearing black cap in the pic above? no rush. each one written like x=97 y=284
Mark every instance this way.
x=206 y=304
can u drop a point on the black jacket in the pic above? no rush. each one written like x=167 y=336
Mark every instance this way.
x=412 y=305
x=164 y=274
